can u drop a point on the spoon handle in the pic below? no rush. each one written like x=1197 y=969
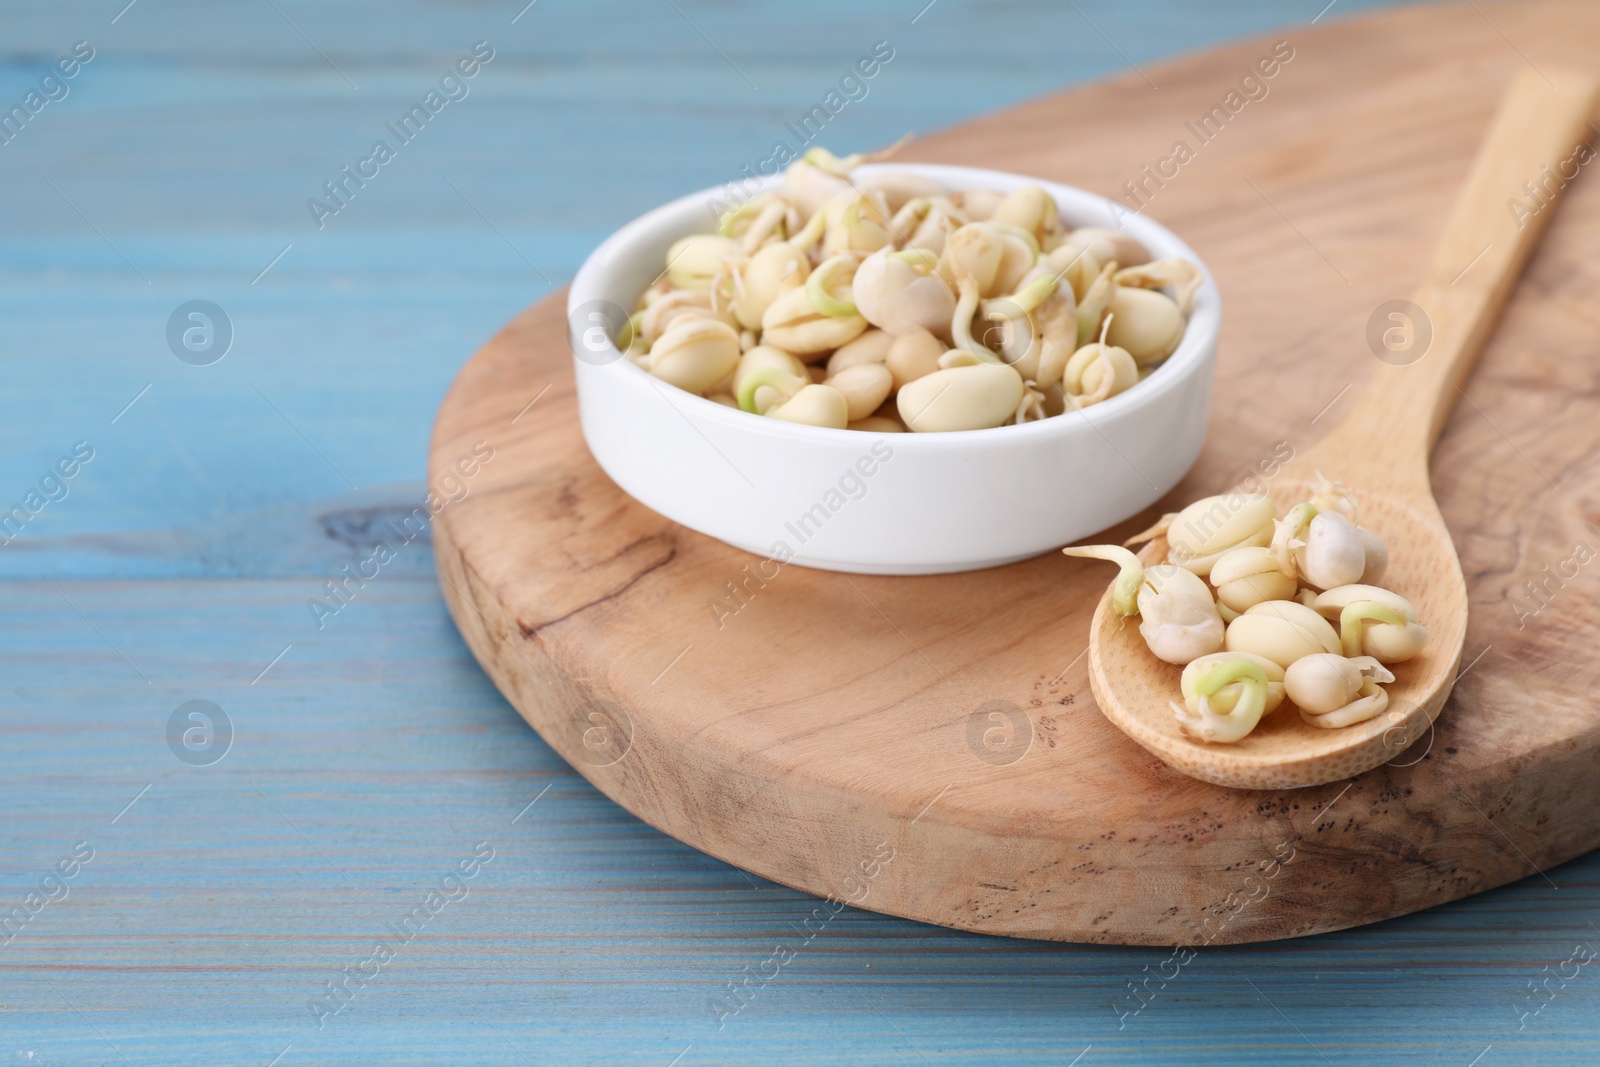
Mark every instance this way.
x=1535 y=147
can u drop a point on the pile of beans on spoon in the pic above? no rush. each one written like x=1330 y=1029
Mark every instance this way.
x=1258 y=609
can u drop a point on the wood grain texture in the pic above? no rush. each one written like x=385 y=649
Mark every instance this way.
x=194 y=539
x=831 y=716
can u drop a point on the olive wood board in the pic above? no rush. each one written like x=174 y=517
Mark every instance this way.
x=928 y=747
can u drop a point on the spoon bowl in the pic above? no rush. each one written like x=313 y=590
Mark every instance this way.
x=1136 y=690
x=1379 y=455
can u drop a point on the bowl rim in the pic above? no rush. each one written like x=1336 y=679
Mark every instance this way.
x=1175 y=372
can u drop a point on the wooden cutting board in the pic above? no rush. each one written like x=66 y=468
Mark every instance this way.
x=929 y=747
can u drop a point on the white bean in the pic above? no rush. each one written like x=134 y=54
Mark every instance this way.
x=961 y=398
x=865 y=387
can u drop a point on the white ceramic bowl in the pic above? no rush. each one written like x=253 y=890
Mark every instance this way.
x=903 y=503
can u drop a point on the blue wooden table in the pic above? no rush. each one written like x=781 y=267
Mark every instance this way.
x=236 y=832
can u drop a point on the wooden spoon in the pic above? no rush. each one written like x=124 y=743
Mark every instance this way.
x=1380 y=454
